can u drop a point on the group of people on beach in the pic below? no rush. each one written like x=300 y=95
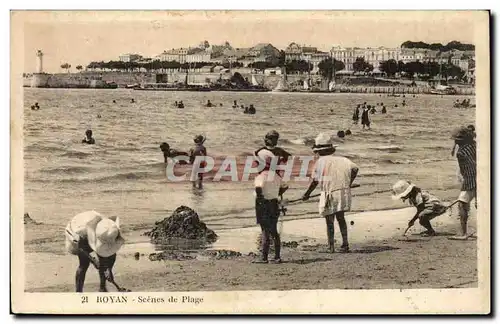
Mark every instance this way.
x=91 y=232
x=335 y=176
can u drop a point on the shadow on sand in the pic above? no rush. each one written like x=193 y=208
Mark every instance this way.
x=374 y=249
x=307 y=261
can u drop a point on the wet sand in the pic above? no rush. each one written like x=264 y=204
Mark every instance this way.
x=379 y=259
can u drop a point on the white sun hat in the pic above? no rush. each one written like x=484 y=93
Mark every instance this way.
x=323 y=142
x=104 y=236
x=401 y=189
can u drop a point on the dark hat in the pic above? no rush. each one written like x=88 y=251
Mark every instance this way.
x=462 y=133
x=199 y=139
x=272 y=134
x=164 y=146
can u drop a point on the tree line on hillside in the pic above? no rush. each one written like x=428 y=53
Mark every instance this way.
x=453 y=45
x=157 y=65
x=429 y=69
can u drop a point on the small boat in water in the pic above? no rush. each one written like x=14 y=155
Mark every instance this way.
x=282 y=85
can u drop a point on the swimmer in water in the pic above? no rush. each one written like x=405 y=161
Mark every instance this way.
x=35 y=106
x=114 y=101
x=180 y=104
x=169 y=153
x=176 y=104
x=251 y=110
x=88 y=138
x=99 y=116
x=209 y=104
x=132 y=100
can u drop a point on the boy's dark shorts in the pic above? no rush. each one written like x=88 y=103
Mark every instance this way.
x=267 y=212
x=432 y=211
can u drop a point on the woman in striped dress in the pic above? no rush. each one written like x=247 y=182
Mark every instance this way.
x=466 y=157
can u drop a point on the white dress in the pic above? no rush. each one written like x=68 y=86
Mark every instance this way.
x=334 y=176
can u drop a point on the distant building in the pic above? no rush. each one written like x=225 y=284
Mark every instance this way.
x=297 y=52
x=373 y=56
x=265 y=50
x=310 y=54
x=130 y=57
x=185 y=55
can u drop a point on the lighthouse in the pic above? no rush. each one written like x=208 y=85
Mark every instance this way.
x=39 y=61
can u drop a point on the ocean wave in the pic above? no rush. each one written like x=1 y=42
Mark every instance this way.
x=307 y=141
x=76 y=154
x=35 y=147
x=409 y=161
x=66 y=169
x=136 y=175
x=388 y=148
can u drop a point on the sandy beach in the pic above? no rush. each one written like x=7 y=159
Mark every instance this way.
x=380 y=259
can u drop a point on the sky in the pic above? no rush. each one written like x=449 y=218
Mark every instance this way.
x=81 y=37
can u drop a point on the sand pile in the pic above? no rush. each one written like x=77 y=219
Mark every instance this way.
x=183 y=223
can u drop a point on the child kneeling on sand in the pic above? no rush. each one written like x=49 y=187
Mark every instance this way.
x=428 y=206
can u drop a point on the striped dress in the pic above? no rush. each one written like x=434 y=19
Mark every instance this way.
x=466 y=156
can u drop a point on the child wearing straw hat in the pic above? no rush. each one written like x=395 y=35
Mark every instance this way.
x=334 y=175
x=91 y=232
x=428 y=206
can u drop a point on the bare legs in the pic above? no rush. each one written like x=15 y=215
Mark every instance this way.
x=106 y=271
x=81 y=271
x=105 y=267
x=343 y=231
x=463 y=212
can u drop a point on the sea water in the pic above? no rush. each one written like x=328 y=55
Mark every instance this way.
x=123 y=173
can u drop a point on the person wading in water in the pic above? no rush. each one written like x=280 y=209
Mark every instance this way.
x=88 y=138
x=355 y=115
x=365 y=118
x=198 y=150
x=334 y=175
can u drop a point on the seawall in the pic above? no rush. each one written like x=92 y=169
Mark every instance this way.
x=122 y=79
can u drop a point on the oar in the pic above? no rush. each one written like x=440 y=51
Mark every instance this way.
x=96 y=265
x=355 y=185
